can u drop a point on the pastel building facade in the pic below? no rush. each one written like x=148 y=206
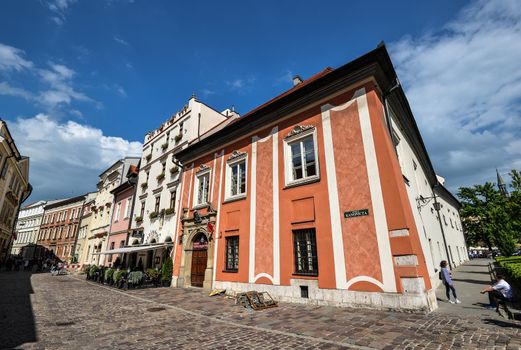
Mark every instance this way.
x=124 y=196
x=156 y=213
x=27 y=227
x=81 y=248
x=304 y=197
x=14 y=188
x=99 y=225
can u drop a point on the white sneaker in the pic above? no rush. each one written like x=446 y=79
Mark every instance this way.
x=458 y=301
x=450 y=301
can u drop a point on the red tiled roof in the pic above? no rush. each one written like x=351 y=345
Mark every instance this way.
x=304 y=83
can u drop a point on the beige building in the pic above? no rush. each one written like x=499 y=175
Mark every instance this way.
x=99 y=226
x=27 y=227
x=14 y=188
x=81 y=248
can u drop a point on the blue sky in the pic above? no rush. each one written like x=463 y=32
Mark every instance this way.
x=82 y=81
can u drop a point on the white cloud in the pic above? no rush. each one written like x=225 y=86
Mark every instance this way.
x=120 y=41
x=121 y=91
x=7 y=90
x=61 y=91
x=207 y=92
x=11 y=59
x=241 y=85
x=67 y=157
x=285 y=78
x=59 y=9
x=464 y=86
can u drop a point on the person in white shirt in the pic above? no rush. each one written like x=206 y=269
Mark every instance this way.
x=498 y=293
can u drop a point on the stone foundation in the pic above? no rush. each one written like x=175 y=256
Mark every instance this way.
x=407 y=302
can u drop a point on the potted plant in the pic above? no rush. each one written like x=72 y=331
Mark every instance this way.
x=160 y=177
x=148 y=157
x=174 y=169
x=153 y=276
x=118 y=278
x=178 y=137
x=139 y=218
x=166 y=272
x=109 y=273
x=169 y=211
x=153 y=215
x=144 y=185
x=164 y=146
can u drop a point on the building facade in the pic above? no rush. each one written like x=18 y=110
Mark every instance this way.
x=99 y=226
x=27 y=227
x=124 y=196
x=156 y=210
x=305 y=197
x=81 y=248
x=14 y=188
x=60 y=226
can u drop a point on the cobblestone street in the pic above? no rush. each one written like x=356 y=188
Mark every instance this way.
x=66 y=312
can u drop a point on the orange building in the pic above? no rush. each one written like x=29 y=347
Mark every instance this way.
x=304 y=197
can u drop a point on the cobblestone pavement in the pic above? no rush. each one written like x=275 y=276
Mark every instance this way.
x=66 y=312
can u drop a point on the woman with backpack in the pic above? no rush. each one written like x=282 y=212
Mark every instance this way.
x=446 y=277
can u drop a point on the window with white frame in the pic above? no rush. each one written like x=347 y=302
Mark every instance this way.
x=128 y=207
x=203 y=187
x=236 y=175
x=301 y=155
x=118 y=212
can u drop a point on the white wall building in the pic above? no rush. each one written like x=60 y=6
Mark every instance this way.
x=441 y=237
x=27 y=227
x=156 y=209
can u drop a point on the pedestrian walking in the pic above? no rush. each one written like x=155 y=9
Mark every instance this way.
x=446 y=277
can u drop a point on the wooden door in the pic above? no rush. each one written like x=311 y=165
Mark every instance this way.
x=199 y=258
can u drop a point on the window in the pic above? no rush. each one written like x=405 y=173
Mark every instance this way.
x=172 y=199
x=156 y=207
x=237 y=178
x=118 y=212
x=301 y=155
x=306 y=262
x=73 y=213
x=163 y=167
x=67 y=232
x=142 y=209
x=232 y=253
x=128 y=207
x=203 y=183
x=121 y=244
x=4 y=169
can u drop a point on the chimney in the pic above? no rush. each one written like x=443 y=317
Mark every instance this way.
x=297 y=80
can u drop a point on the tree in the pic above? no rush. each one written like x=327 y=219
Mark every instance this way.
x=489 y=217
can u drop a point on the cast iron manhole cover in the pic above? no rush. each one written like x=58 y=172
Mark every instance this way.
x=156 y=309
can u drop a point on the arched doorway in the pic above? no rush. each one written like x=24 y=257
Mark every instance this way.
x=199 y=259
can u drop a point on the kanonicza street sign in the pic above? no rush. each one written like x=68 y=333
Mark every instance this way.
x=354 y=213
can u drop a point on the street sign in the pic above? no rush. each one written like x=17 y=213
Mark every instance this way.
x=355 y=213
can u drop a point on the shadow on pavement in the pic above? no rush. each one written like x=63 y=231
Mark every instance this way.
x=471 y=281
x=17 y=324
x=500 y=323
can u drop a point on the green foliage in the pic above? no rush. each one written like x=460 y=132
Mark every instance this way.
x=118 y=275
x=153 y=215
x=167 y=270
x=93 y=269
x=152 y=273
x=169 y=211
x=109 y=273
x=490 y=218
x=512 y=266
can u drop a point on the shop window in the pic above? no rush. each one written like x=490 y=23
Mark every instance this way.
x=305 y=251
x=232 y=253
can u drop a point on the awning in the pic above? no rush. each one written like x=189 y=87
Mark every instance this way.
x=135 y=248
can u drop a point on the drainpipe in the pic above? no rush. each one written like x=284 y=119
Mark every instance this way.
x=437 y=207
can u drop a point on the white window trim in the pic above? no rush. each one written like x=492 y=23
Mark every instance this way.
x=128 y=206
x=288 y=165
x=198 y=176
x=228 y=181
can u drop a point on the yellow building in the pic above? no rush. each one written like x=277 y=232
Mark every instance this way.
x=14 y=188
